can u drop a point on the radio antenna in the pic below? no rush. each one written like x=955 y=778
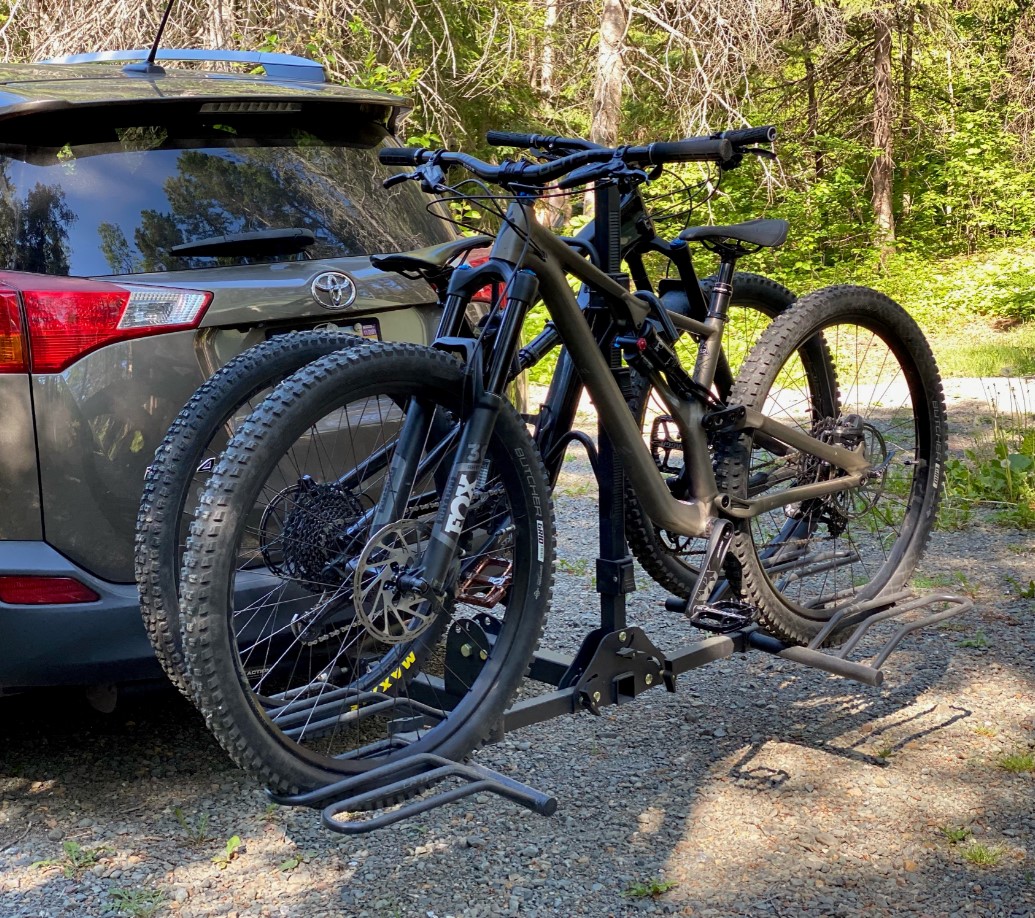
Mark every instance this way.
x=149 y=65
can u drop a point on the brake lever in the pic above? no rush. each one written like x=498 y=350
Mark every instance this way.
x=430 y=175
x=615 y=168
x=432 y=178
x=761 y=152
x=583 y=175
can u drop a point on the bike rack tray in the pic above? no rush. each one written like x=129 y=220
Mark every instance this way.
x=383 y=787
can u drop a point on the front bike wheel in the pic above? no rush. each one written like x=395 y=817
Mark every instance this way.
x=803 y=561
x=670 y=559
x=181 y=468
x=301 y=682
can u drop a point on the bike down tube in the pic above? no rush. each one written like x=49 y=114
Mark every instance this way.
x=689 y=518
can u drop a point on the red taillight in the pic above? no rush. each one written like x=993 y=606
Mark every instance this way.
x=488 y=293
x=35 y=590
x=12 y=340
x=69 y=317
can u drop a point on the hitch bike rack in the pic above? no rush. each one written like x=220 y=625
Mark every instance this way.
x=614 y=664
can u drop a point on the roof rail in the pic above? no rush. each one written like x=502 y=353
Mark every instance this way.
x=277 y=66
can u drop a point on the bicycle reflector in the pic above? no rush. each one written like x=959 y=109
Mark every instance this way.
x=67 y=318
x=38 y=590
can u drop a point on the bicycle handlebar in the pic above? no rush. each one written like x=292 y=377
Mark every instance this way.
x=695 y=149
x=401 y=156
x=553 y=144
x=746 y=136
x=541 y=141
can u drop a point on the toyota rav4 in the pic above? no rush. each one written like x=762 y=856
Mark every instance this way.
x=153 y=224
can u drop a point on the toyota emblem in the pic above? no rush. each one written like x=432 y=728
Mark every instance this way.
x=333 y=290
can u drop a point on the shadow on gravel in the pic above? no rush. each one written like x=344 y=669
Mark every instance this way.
x=925 y=723
x=59 y=756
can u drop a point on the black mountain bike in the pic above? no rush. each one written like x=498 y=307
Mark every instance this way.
x=190 y=451
x=383 y=499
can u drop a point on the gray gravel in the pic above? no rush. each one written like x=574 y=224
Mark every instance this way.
x=759 y=789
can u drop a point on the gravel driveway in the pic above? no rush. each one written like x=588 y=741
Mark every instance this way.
x=760 y=788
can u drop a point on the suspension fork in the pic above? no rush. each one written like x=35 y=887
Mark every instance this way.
x=437 y=567
x=402 y=471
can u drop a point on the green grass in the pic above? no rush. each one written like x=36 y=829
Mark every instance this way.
x=579 y=567
x=650 y=889
x=229 y=852
x=196 y=830
x=955 y=834
x=1020 y=589
x=1017 y=762
x=136 y=903
x=953 y=297
x=978 y=642
x=977 y=310
x=980 y=350
x=74 y=859
x=982 y=855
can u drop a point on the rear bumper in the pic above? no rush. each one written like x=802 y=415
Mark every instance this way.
x=78 y=644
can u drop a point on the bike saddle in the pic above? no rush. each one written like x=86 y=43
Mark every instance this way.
x=430 y=261
x=754 y=232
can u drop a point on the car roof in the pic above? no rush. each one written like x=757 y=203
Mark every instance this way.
x=70 y=83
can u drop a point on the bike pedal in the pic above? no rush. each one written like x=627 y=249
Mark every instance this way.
x=723 y=617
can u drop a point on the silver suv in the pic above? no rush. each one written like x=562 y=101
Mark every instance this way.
x=152 y=226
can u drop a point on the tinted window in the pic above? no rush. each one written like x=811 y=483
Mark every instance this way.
x=120 y=202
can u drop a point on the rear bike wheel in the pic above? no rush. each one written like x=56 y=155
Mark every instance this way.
x=181 y=468
x=801 y=562
x=670 y=559
x=301 y=682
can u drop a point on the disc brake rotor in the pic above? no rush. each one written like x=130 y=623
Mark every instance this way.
x=389 y=613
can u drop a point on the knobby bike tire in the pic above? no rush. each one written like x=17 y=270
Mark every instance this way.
x=801 y=562
x=670 y=559
x=195 y=439
x=298 y=716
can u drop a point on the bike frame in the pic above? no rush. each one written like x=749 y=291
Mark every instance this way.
x=531 y=262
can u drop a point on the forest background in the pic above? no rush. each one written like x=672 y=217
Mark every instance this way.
x=906 y=139
x=907 y=129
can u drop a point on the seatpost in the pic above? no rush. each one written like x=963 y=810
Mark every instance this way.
x=718 y=306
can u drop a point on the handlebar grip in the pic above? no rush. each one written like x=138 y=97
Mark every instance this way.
x=695 y=149
x=511 y=139
x=402 y=156
x=745 y=136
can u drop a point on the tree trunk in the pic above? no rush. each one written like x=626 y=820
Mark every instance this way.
x=606 y=113
x=813 y=114
x=546 y=77
x=554 y=212
x=906 y=115
x=882 y=173
x=221 y=24
x=607 y=87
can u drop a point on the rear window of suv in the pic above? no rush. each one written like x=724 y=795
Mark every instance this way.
x=99 y=198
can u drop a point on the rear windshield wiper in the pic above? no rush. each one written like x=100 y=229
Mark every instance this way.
x=288 y=241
